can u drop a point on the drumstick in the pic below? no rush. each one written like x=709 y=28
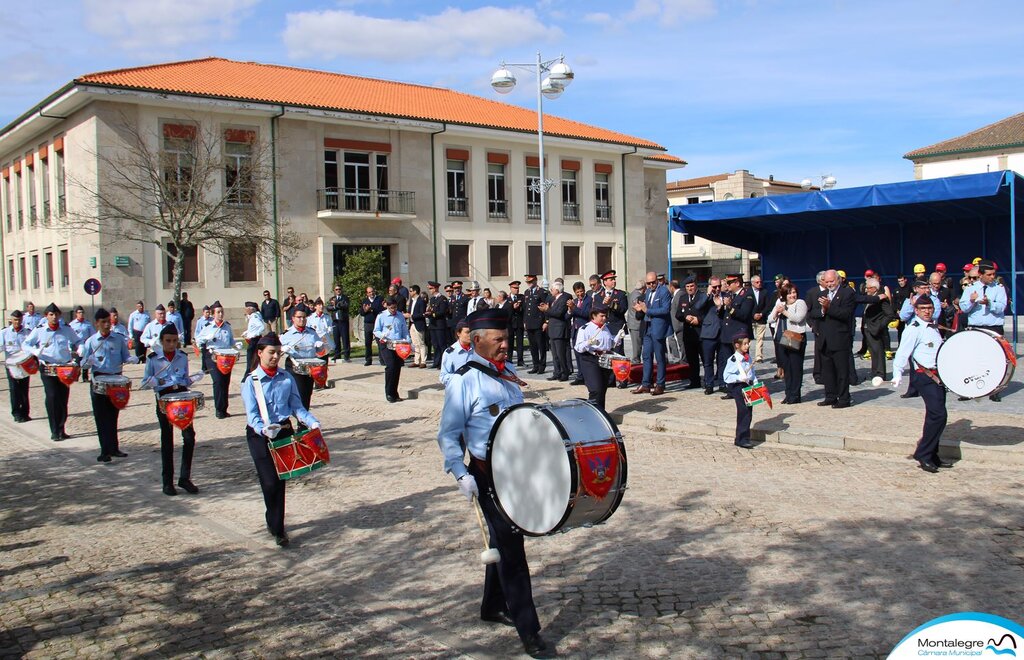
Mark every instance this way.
x=489 y=555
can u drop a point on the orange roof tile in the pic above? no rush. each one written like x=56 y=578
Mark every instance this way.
x=268 y=83
x=699 y=182
x=667 y=158
x=1007 y=132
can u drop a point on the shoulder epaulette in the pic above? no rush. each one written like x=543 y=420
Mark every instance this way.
x=450 y=349
x=464 y=369
x=732 y=359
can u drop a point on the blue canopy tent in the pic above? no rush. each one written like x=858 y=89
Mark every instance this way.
x=886 y=227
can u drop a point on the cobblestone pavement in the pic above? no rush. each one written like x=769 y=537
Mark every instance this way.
x=715 y=551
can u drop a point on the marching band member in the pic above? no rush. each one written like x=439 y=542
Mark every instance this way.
x=282 y=401
x=167 y=372
x=482 y=388
x=984 y=303
x=920 y=344
x=457 y=354
x=301 y=341
x=324 y=328
x=137 y=322
x=737 y=374
x=106 y=352
x=391 y=325
x=150 y=337
x=53 y=343
x=173 y=316
x=13 y=336
x=253 y=331
x=201 y=323
x=218 y=335
x=31 y=319
x=84 y=330
x=116 y=327
x=592 y=340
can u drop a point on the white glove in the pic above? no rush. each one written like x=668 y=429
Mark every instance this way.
x=271 y=431
x=36 y=351
x=314 y=426
x=132 y=359
x=287 y=349
x=468 y=487
x=897 y=378
x=195 y=378
x=318 y=345
x=80 y=350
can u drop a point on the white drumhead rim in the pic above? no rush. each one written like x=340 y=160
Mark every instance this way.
x=972 y=363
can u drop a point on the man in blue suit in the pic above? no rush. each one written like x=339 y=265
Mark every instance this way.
x=737 y=318
x=655 y=307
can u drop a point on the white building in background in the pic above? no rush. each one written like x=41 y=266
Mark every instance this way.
x=998 y=146
x=435 y=178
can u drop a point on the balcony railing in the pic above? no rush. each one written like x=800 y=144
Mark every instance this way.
x=32 y=220
x=10 y=226
x=62 y=208
x=532 y=210
x=497 y=208
x=46 y=212
x=366 y=200
x=570 y=212
x=458 y=206
x=603 y=213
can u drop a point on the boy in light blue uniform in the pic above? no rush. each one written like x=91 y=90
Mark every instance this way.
x=84 y=330
x=150 y=337
x=737 y=374
x=106 y=353
x=592 y=340
x=217 y=335
x=137 y=322
x=254 y=327
x=984 y=303
x=12 y=337
x=173 y=316
x=457 y=354
x=301 y=342
x=391 y=325
x=54 y=343
x=282 y=401
x=117 y=327
x=30 y=320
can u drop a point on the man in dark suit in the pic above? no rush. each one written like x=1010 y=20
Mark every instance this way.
x=517 y=305
x=533 y=321
x=675 y=344
x=188 y=314
x=813 y=293
x=579 y=310
x=655 y=307
x=763 y=303
x=690 y=321
x=437 y=321
x=270 y=310
x=369 y=308
x=556 y=313
x=709 y=310
x=338 y=305
x=833 y=311
x=459 y=307
x=737 y=318
x=878 y=312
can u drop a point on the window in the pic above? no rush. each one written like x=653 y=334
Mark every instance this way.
x=497 y=205
x=498 y=261
x=693 y=200
x=602 y=205
x=24 y=273
x=533 y=193
x=604 y=259
x=49 y=270
x=357 y=181
x=570 y=202
x=20 y=202
x=58 y=175
x=31 y=195
x=331 y=179
x=382 y=182
x=179 y=142
x=241 y=263
x=10 y=274
x=571 y=260
x=534 y=259
x=65 y=269
x=191 y=273
x=45 y=188
x=35 y=271
x=689 y=239
x=238 y=176
x=458 y=203
x=458 y=260
x=7 y=202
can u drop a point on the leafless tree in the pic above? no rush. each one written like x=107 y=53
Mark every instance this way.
x=186 y=185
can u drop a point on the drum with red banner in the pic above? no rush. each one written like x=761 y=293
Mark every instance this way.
x=180 y=407
x=22 y=364
x=225 y=359
x=299 y=454
x=402 y=349
x=555 y=467
x=117 y=388
x=757 y=394
x=68 y=373
x=621 y=367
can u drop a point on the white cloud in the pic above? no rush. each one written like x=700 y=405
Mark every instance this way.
x=450 y=34
x=158 y=25
x=671 y=12
x=598 y=18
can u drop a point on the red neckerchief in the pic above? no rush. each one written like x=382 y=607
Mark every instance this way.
x=52 y=326
x=104 y=335
x=465 y=347
x=218 y=323
x=500 y=366
x=599 y=325
x=270 y=372
x=170 y=356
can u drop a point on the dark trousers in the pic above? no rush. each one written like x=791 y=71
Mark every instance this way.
x=653 y=350
x=18 y=387
x=691 y=349
x=595 y=378
x=105 y=414
x=876 y=345
x=709 y=349
x=221 y=383
x=437 y=339
x=187 y=338
x=342 y=340
x=934 y=396
x=140 y=350
x=507 y=585
x=392 y=371
x=816 y=369
x=515 y=343
x=792 y=363
x=251 y=360
x=56 y=396
x=744 y=413
x=725 y=352
x=368 y=341
x=835 y=373
x=560 y=357
x=204 y=360
x=188 y=448
x=538 y=349
x=304 y=383
x=270 y=484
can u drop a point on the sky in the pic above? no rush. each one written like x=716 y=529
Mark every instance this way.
x=794 y=89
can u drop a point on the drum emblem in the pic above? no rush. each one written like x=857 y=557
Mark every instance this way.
x=599 y=466
x=68 y=374
x=318 y=373
x=119 y=395
x=225 y=362
x=180 y=413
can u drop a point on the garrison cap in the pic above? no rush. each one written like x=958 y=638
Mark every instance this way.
x=249 y=303
x=514 y=283
x=690 y=280
x=51 y=308
x=101 y=314
x=488 y=319
x=159 y=308
x=269 y=339
x=168 y=329
x=79 y=308
x=432 y=283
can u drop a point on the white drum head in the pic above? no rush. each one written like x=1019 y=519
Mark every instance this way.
x=972 y=363
x=530 y=469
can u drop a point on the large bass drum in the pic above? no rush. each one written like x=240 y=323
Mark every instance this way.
x=975 y=362
x=555 y=467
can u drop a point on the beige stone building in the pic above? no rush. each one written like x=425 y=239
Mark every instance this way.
x=701 y=257
x=998 y=146
x=436 y=178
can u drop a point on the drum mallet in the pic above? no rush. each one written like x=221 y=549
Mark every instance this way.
x=489 y=555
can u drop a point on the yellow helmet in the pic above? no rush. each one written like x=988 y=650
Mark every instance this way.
x=976 y=260
x=841 y=273
x=919 y=268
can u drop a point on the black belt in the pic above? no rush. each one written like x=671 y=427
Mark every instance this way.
x=479 y=463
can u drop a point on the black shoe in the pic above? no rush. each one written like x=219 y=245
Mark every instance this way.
x=745 y=445
x=533 y=370
x=555 y=378
x=576 y=381
x=536 y=647
x=188 y=486
x=119 y=454
x=943 y=464
x=725 y=396
x=908 y=395
x=996 y=398
x=169 y=490
x=963 y=398
x=391 y=399
x=56 y=438
x=827 y=402
x=709 y=390
x=103 y=458
x=223 y=415
x=26 y=418
x=793 y=401
x=785 y=401
x=723 y=390
x=842 y=404
x=564 y=379
x=501 y=617
x=282 y=540
x=367 y=364
x=520 y=364
x=693 y=386
x=19 y=420
x=928 y=466
x=623 y=384
x=540 y=371
x=65 y=436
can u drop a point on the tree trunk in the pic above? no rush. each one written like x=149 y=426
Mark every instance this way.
x=179 y=272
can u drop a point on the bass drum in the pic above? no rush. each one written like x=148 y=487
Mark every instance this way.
x=554 y=467
x=975 y=362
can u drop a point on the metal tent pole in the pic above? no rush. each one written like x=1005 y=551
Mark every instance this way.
x=1013 y=255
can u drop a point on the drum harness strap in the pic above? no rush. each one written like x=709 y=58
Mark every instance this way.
x=261 y=403
x=512 y=378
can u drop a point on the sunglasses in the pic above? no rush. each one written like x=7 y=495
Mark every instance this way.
x=650 y=283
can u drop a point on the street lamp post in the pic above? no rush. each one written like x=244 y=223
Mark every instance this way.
x=559 y=76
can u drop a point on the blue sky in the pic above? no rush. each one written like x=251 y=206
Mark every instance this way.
x=794 y=89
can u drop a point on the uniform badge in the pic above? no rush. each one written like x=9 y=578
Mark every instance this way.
x=493 y=409
x=930 y=344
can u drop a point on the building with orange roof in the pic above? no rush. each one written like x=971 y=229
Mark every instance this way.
x=997 y=146
x=437 y=179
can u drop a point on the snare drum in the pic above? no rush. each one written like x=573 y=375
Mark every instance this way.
x=402 y=348
x=180 y=407
x=605 y=360
x=975 y=362
x=117 y=388
x=554 y=467
x=22 y=364
x=225 y=359
x=67 y=372
x=298 y=454
x=302 y=366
